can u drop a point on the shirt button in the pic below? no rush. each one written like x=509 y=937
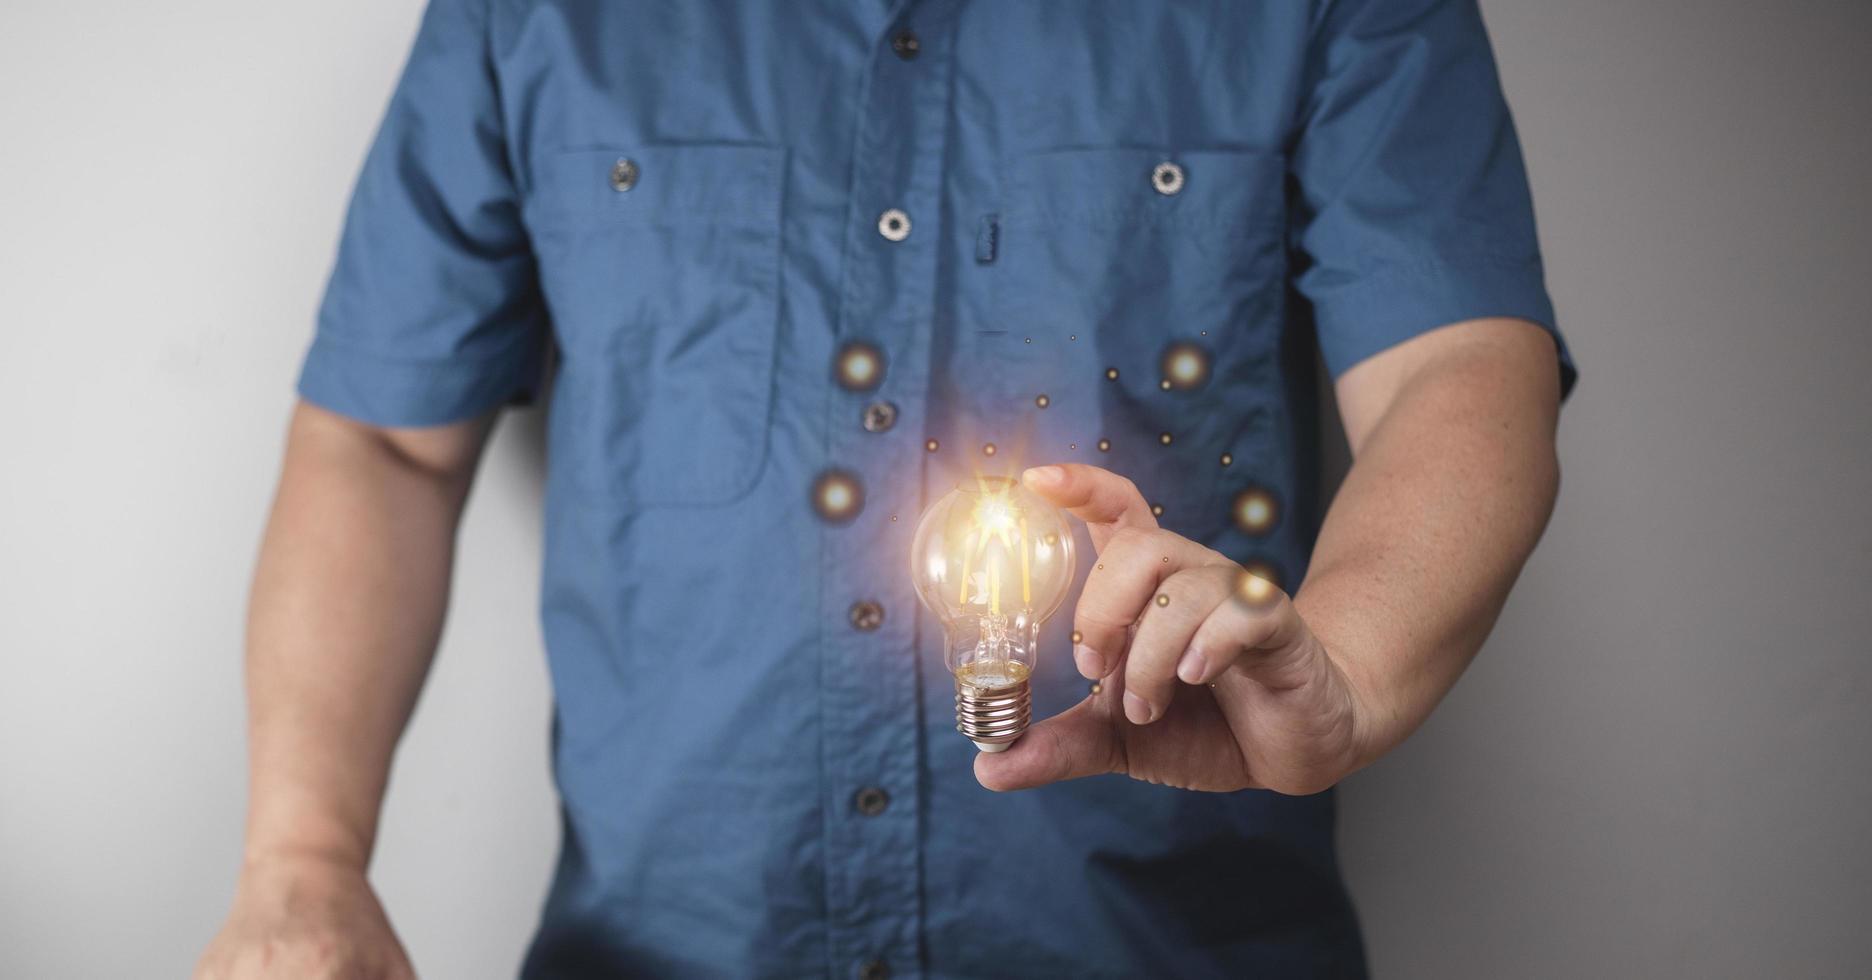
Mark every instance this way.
x=623 y=174
x=879 y=416
x=1167 y=178
x=871 y=801
x=894 y=225
x=874 y=970
x=906 y=45
x=866 y=616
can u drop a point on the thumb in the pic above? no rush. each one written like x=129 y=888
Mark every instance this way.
x=1076 y=742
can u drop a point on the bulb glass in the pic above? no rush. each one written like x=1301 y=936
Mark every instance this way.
x=992 y=560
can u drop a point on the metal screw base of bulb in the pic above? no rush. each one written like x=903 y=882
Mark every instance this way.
x=993 y=719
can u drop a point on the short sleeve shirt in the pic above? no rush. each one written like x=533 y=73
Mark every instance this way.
x=794 y=271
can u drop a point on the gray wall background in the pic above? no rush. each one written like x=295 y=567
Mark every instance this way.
x=1659 y=766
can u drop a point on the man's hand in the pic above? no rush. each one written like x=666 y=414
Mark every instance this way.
x=1214 y=680
x=304 y=919
x=1210 y=679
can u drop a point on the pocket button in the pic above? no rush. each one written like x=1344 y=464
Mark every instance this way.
x=1167 y=178
x=623 y=174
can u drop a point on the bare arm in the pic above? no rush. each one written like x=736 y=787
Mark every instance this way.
x=346 y=608
x=1453 y=479
x=1216 y=680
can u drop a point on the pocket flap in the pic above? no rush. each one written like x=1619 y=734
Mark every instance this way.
x=1228 y=190
x=658 y=184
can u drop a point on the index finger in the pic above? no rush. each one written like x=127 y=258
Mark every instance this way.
x=1105 y=501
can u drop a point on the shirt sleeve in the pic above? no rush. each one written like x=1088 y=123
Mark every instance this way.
x=1413 y=206
x=432 y=313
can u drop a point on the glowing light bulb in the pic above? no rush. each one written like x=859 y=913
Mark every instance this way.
x=992 y=560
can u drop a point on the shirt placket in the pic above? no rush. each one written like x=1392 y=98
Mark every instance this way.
x=877 y=428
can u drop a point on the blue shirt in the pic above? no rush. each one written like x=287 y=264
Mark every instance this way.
x=794 y=268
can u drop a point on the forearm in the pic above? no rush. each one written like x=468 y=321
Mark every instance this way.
x=347 y=605
x=1452 y=484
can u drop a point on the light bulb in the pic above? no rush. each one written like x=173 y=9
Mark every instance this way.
x=992 y=560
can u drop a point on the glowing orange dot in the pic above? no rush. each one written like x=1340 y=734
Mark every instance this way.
x=1164 y=438
x=1104 y=445
x=988 y=450
x=1111 y=374
x=1227 y=459
x=1043 y=401
x=1078 y=637
x=837 y=496
x=931 y=445
x=1164 y=384
x=1157 y=511
x=1258 y=585
x=1256 y=511
x=1162 y=600
x=1185 y=366
x=859 y=366
x=1097 y=687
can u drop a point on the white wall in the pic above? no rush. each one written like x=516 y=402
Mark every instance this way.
x=1658 y=767
x=172 y=177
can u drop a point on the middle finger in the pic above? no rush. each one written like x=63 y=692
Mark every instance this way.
x=1181 y=605
x=1119 y=587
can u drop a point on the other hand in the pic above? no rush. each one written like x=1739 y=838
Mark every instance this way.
x=304 y=919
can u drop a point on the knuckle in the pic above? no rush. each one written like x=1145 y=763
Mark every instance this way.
x=1153 y=662
x=1150 y=678
x=1125 y=539
x=1063 y=753
x=1189 y=596
x=1098 y=617
x=1164 y=540
x=1211 y=581
x=1186 y=580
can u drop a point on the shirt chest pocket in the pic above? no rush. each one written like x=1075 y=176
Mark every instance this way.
x=1130 y=245
x=1154 y=281
x=661 y=267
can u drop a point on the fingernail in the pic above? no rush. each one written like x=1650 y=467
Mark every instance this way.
x=1090 y=664
x=1190 y=669
x=1045 y=476
x=1137 y=709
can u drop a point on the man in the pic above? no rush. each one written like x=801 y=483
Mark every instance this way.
x=805 y=267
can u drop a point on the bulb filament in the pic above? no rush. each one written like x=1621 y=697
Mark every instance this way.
x=995 y=519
